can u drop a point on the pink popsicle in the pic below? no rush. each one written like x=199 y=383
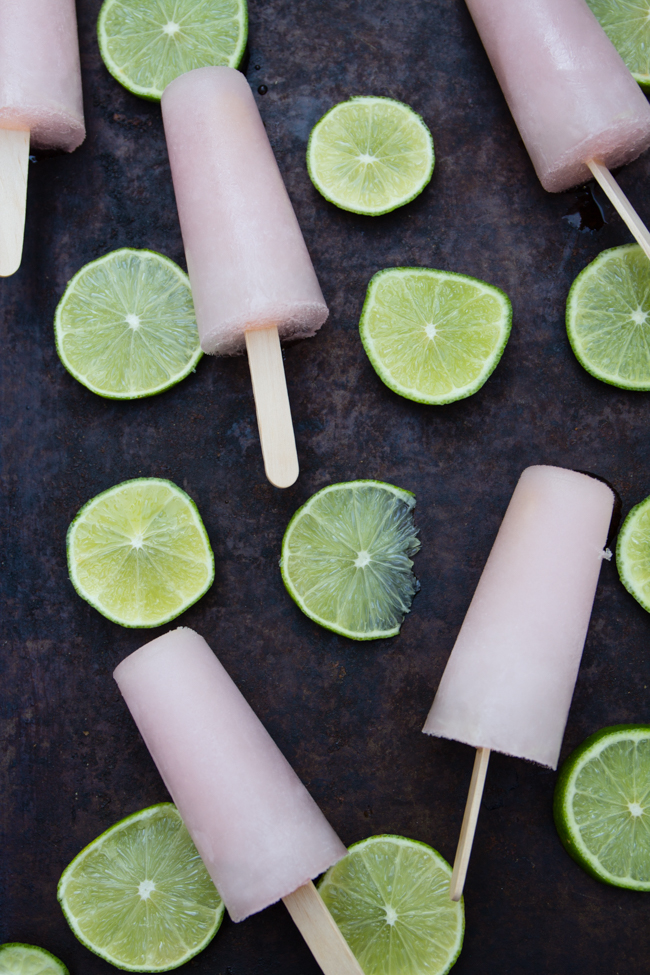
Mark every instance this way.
x=509 y=680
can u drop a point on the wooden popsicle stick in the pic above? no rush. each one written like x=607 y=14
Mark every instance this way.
x=272 y=406
x=468 y=828
x=320 y=931
x=14 y=157
x=621 y=203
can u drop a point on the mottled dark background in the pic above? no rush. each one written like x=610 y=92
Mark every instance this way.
x=347 y=715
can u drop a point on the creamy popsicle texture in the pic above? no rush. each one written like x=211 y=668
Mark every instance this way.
x=257 y=829
x=570 y=93
x=509 y=680
x=246 y=256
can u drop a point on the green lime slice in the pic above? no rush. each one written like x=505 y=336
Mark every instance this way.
x=139 y=895
x=390 y=898
x=345 y=558
x=602 y=805
x=433 y=336
x=633 y=553
x=125 y=326
x=627 y=25
x=17 y=959
x=139 y=552
x=608 y=317
x=147 y=44
x=370 y=155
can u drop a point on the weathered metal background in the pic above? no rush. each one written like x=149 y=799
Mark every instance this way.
x=347 y=715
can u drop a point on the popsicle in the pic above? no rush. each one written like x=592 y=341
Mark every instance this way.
x=252 y=278
x=40 y=100
x=509 y=681
x=259 y=832
x=578 y=109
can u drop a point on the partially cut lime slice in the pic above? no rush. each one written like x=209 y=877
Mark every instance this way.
x=608 y=317
x=125 y=326
x=627 y=25
x=139 y=895
x=602 y=805
x=370 y=155
x=345 y=558
x=139 y=552
x=18 y=959
x=390 y=898
x=633 y=553
x=434 y=336
x=147 y=44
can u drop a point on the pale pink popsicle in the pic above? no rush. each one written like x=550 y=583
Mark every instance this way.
x=509 y=680
x=40 y=83
x=247 y=260
x=257 y=829
x=569 y=91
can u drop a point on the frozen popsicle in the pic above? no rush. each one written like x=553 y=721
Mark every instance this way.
x=259 y=832
x=252 y=278
x=40 y=100
x=509 y=681
x=578 y=109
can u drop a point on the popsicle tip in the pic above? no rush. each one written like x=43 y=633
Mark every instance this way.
x=283 y=475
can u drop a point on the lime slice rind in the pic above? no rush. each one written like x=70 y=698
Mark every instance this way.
x=626 y=24
x=125 y=326
x=608 y=318
x=21 y=959
x=434 y=336
x=390 y=898
x=633 y=553
x=180 y=912
x=602 y=806
x=139 y=553
x=370 y=155
x=148 y=44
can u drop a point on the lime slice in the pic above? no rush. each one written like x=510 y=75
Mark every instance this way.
x=608 y=317
x=139 y=895
x=147 y=44
x=125 y=326
x=139 y=552
x=627 y=25
x=345 y=558
x=633 y=553
x=433 y=336
x=370 y=155
x=17 y=959
x=390 y=898
x=602 y=805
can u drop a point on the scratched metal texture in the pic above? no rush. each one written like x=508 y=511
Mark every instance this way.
x=347 y=715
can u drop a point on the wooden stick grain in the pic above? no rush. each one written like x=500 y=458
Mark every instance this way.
x=272 y=406
x=468 y=828
x=14 y=158
x=621 y=203
x=318 y=928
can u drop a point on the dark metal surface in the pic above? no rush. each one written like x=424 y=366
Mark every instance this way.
x=348 y=716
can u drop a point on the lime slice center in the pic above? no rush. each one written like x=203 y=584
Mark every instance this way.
x=170 y=28
x=145 y=889
x=636 y=808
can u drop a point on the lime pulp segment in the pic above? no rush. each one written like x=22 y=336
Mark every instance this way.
x=370 y=155
x=608 y=317
x=145 y=45
x=139 y=895
x=633 y=553
x=19 y=959
x=602 y=806
x=125 y=326
x=627 y=25
x=434 y=336
x=139 y=552
x=345 y=558
x=390 y=898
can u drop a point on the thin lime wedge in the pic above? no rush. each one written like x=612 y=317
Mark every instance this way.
x=139 y=552
x=19 y=959
x=633 y=553
x=608 y=317
x=627 y=25
x=433 y=336
x=147 y=44
x=139 y=895
x=602 y=805
x=370 y=155
x=345 y=558
x=390 y=898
